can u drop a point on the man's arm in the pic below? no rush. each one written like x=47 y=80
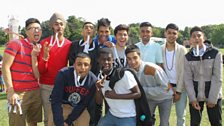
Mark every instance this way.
x=34 y=54
x=43 y=58
x=56 y=99
x=161 y=80
x=7 y=63
x=188 y=81
x=135 y=93
x=129 y=81
x=216 y=80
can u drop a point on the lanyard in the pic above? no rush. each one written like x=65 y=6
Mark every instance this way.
x=56 y=41
x=77 y=78
x=86 y=45
x=199 y=52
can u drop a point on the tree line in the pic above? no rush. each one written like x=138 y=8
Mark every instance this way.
x=214 y=33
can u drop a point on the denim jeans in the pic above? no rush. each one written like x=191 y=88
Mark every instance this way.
x=110 y=120
x=181 y=109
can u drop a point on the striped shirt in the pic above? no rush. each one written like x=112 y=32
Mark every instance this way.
x=21 y=70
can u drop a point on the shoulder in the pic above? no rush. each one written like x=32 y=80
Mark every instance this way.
x=138 y=43
x=65 y=70
x=47 y=39
x=67 y=41
x=92 y=76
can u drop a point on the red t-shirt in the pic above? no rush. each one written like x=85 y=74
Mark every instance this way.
x=21 y=70
x=58 y=58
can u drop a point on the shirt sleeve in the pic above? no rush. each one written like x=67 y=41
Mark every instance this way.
x=159 y=56
x=42 y=64
x=129 y=80
x=56 y=100
x=13 y=47
x=216 y=81
x=188 y=81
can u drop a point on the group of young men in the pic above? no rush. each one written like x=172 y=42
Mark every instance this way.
x=36 y=74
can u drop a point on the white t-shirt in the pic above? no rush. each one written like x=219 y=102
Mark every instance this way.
x=121 y=107
x=170 y=66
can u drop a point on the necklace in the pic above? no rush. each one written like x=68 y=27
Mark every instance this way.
x=167 y=59
x=77 y=78
x=56 y=41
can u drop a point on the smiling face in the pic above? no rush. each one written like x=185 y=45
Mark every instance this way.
x=122 y=38
x=133 y=60
x=146 y=33
x=34 y=32
x=106 y=62
x=82 y=66
x=103 y=33
x=171 y=35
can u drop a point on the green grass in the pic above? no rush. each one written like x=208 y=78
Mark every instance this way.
x=204 y=122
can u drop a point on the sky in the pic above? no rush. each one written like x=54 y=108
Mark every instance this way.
x=158 y=12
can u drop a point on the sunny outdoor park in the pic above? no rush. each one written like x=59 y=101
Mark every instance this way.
x=205 y=121
x=68 y=22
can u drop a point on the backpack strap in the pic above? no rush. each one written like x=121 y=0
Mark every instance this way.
x=143 y=114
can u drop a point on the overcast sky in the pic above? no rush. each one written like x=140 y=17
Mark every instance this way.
x=158 y=12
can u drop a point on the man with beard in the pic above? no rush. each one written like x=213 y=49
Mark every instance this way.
x=173 y=57
x=20 y=74
x=52 y=57
x=150 y=50
x=103 y=37
x=88 y=46
x=154 y=82
x=73 y=92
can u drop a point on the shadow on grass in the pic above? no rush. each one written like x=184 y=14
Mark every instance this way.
x=3 y=96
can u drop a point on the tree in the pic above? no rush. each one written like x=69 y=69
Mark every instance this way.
x=133 y=33
x=3 y=37
x=218 y=35
x=74 y=31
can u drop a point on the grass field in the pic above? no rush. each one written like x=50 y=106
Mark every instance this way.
x=204 y=122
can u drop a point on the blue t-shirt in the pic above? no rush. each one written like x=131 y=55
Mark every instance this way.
x=110 y=38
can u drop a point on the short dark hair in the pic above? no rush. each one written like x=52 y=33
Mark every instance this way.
x=121 y=27
x=88 y=22
x=172 y=26
x=195 y=28
x=146 y=24
x=83 y=55
x=105 y=50
x=103 y=22
x=31 y=21
x=132 y=48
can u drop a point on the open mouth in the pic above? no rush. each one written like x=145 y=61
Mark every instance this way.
x=36 y=37
x=103 y=38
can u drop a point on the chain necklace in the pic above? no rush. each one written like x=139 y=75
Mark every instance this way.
x=167 y=59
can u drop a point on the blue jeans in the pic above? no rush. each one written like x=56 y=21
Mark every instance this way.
x=164 y=110
x=110 y=120
x=181 y=109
